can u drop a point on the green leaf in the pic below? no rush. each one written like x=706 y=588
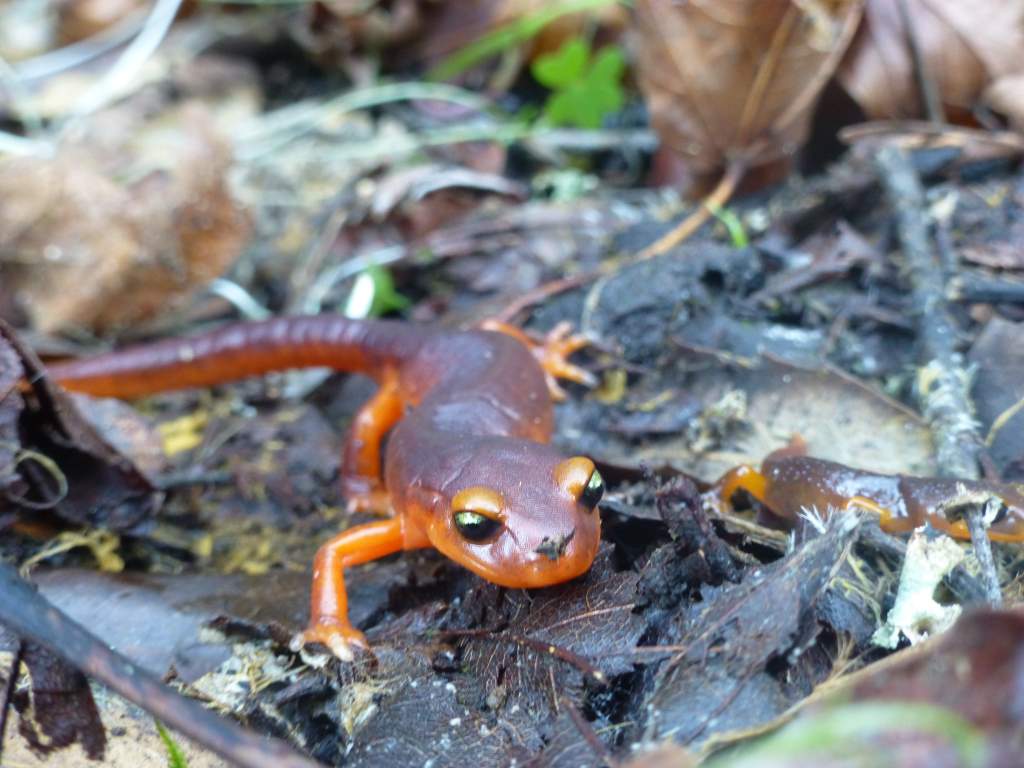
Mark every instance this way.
x=564 y=67
x=585 y=92
x=513 y=33
x=386 y=298
x=175 y=757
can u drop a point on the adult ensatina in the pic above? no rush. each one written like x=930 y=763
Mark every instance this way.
x=468 y=470
x=790 y=481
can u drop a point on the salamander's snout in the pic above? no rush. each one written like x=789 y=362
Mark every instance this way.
x=531 y=522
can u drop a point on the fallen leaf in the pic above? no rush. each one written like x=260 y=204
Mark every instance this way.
x=997 y=355
x=733 y=652
x=1006 y=96
x=737 y=78
x=964 y=48
x=67 y=466
x=90 y=243
x=56 y=708
x=81 y=19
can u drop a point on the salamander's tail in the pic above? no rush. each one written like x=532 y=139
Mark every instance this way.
x=243 y=350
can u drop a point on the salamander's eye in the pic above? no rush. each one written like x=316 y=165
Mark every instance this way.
x=477 y=513
x=476 y=527
x=593 y=490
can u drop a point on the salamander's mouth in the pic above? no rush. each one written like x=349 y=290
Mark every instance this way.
x=555 y=559
x=554 y=548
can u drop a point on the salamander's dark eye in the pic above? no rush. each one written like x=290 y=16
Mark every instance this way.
x=476 y=527
x=592 y=491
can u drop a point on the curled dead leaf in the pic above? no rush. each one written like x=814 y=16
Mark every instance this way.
x=81 y=19
x=737 y=78
x=963 y=48
x=89 y=239
x=1006 y=96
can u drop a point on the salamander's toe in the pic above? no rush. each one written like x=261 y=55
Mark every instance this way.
x=344 y=641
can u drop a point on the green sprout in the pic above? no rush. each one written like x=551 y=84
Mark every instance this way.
x=585 y=87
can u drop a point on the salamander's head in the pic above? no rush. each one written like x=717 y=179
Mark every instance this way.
x=520 y=514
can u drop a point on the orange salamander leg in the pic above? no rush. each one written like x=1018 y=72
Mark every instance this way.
x=552 y=353
x=360 y=465
x=742 y=478
x=328 y=619
x=890 y=523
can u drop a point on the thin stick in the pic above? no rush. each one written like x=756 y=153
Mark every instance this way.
x=718 y=197
x=989 y=578
x=27 y=613
x=943 y=380
x=540 y=646
x=597 y=746
x=925 y=83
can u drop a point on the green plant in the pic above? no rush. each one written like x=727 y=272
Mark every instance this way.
x=733 y=225
x=374 y=294
x=509 y=35
x=586 y=86
x=175 y=757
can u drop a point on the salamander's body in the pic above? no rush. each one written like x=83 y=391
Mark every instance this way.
x=467 y=469
x=789 y=482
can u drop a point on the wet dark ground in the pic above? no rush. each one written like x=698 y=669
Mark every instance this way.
x=692 y=626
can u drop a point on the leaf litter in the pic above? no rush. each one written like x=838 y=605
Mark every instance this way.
x=696 y=627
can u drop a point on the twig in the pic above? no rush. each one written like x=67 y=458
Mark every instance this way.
x=120 y=76
x=539 y=646
x=24 y=611
x=598 y=747
x=943 y=381
x=717 y=198
x=979 y=533
x=81 y=52
x=239 y=298
x=988 y=290
x=922 y=78
x=541 y=293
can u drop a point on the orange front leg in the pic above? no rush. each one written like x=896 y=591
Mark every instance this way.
x=552 y=353
x=360 y=465
x=328 y=619
x=742 y=478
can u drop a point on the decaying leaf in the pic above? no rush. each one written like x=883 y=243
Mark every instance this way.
x=734 y=665
x=64 y=465
x=56 y=708
x=738 y=78
x=104 y=238
x=81 y=19
x=1006 y=96
x=964 y=48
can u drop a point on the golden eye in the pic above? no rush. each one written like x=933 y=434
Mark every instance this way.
x=592 y=491
x=477 y=513
x=476 y=527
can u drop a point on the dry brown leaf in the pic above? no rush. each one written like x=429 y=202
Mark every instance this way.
x=1006 y=96
x=964 y=47
x=102 y=240
x=737 y=78
x=81 y=19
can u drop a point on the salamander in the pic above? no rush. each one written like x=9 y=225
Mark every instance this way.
x=790 y=481
x=467 y=467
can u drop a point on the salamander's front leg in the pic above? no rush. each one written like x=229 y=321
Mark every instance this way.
x=742 y=478
x=552 y=353
x=328 y=618
x=360 y=467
